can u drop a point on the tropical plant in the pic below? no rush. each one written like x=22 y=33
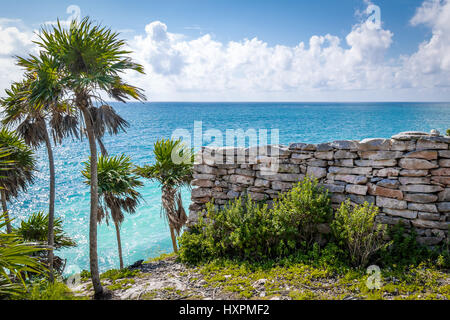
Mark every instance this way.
x=20 y=174
x=117 y=191
x=302 y=210
x=16 y=259
x=31 y=122
x=5 y=164
x=35 y=229
x=85 y=61
x=355 y=229
x=250 y=231
x=173 y=170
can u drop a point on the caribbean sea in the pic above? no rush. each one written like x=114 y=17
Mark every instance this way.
x=145 y=234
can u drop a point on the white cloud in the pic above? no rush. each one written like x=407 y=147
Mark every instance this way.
x=430 y=65
x=14 y=40
x=324 y=68
x=248 y=68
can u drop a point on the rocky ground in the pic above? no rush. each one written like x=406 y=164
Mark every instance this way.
x=159 y=280
x=167 y=279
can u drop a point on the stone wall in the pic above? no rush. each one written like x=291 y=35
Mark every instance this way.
x=407 y=177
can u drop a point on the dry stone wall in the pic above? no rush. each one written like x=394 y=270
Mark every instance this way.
x=407 y=177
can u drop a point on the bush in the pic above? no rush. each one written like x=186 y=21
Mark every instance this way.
x=16 y=262
x=355 y=229
x=448 y=132
x=249 y=231
x=404 y=250
x=44 y=290
x=300 y=211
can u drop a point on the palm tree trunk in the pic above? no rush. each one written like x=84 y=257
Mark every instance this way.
x=51 y=206
x=168 y=203
x=5 y=212
x=174 y=240
x=119 y=244
x=93 y=256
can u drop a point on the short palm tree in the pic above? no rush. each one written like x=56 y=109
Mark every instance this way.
x=117 y=191
x=173 y=170
x=16 y=259
x=87 y=60
x=20 y=175
x=31 y=122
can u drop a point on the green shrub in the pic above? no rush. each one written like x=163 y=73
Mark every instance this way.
x=300 y=211
x=250 y=231
x=404 y=250
x=448 y=132
x=17 y=262
x=44 y=290
x=115 y=274
x=194 y=247
x=355 y=229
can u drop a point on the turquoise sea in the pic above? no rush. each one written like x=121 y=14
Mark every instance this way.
x=145 y=234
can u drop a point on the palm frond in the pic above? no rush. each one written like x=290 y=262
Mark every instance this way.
x=117 y=185
x=16 y=260
x=21 y=174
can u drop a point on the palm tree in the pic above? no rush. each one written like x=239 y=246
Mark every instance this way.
x=117 y=190
x=31 y=123
x=20 y=175
x=87 y=60
x=171 y=175
x=16 y=258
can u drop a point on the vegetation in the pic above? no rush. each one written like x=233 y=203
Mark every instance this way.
x=223 y=251
x=116 y=189
x=316 y=277
x=404 y=250
x=84 y=61
x=31 y=122
x=20 y=174
x=45 y=290
x=295 y=244
x=253 y=232
x=354 y=228
x=35 y=229
x=16 y=261
x=173 y=170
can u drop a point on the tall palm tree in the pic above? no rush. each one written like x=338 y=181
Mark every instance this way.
x=117 y=191
x=20 y=175
x=173 y=170
x=31 y=123
x=87 y=60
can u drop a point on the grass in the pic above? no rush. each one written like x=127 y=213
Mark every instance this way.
x=302 y=281
x=43 y=290
x=163 y=256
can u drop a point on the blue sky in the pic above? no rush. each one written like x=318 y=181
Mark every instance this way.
x=277 y=22
x=285 y=23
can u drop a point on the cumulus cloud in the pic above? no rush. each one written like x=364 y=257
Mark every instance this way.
x=251 y=66
x=430 y=65
x=326 y=67
x=14 y=40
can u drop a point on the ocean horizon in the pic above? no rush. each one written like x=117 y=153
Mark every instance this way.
x=146 y=234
